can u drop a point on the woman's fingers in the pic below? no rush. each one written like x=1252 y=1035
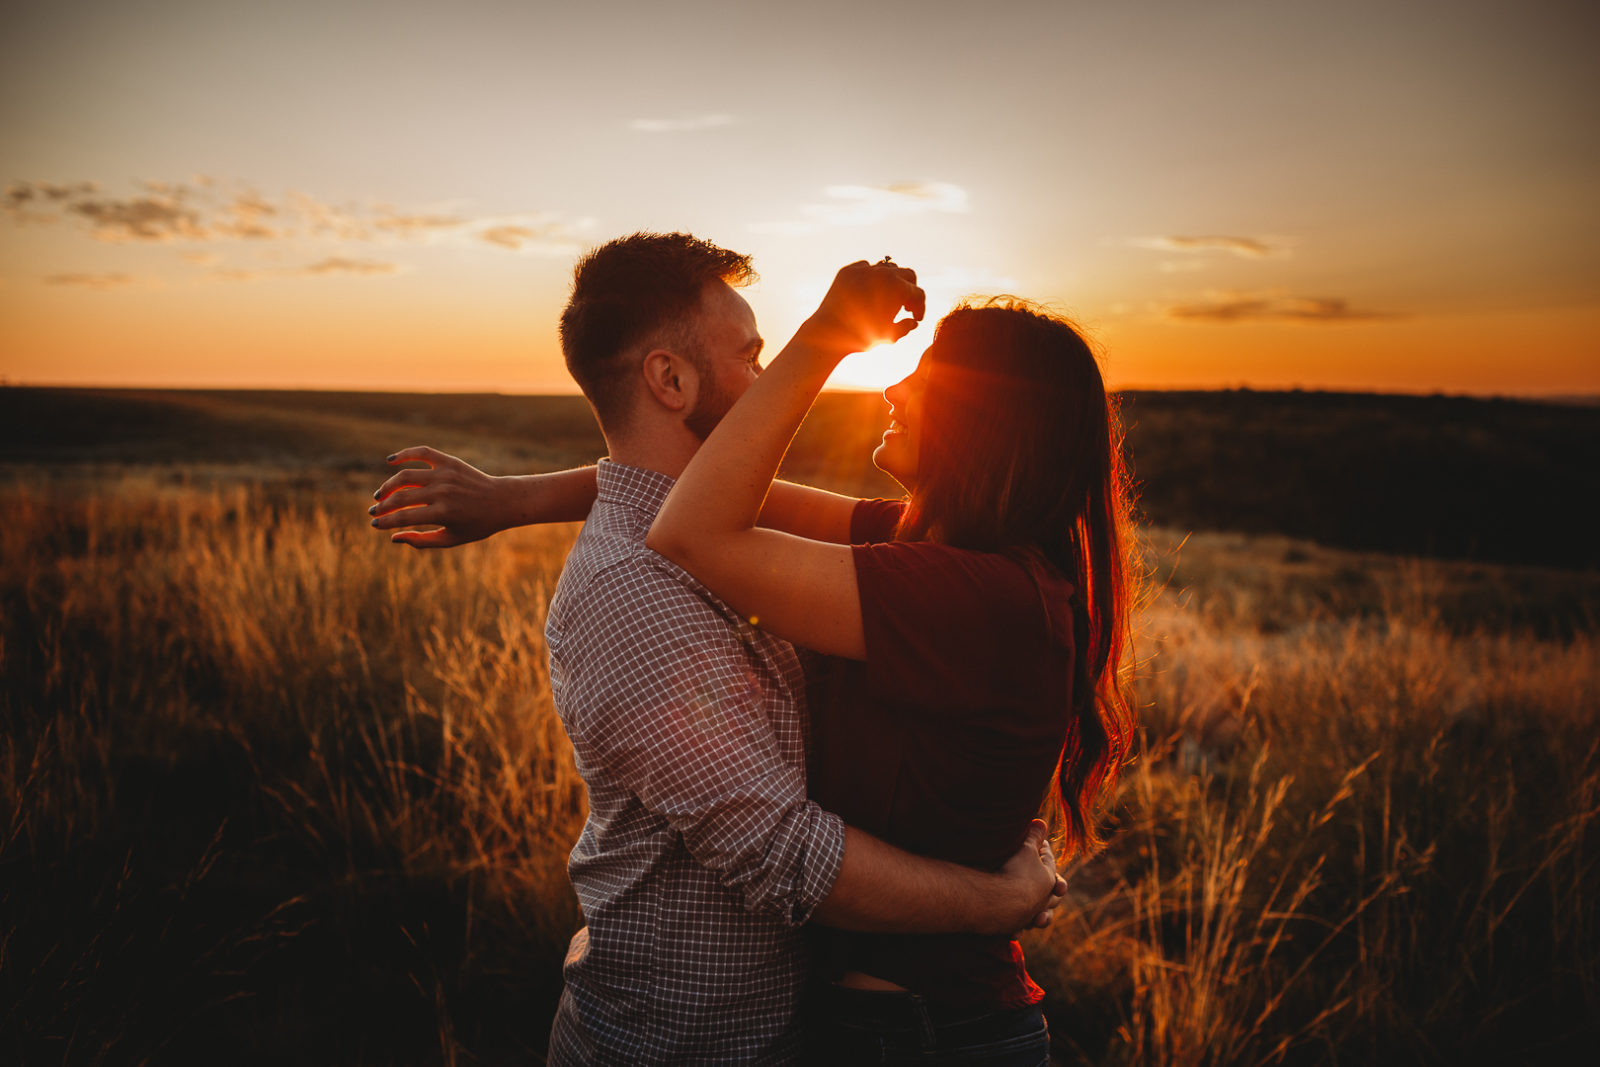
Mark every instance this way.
x=410 y=476
x=421 y=454
x=440 y=538
x=407 y=496
x=422 y=515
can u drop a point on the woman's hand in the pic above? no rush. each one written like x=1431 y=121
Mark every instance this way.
x=467 y=504
x=862 y=306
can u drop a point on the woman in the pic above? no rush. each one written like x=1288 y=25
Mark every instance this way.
x=974 y=633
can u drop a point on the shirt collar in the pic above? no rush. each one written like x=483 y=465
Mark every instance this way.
x=634 y=487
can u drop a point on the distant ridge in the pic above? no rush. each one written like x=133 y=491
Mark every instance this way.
x=1493 y=479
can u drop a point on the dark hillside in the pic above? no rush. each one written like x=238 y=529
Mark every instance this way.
x=1492 y=480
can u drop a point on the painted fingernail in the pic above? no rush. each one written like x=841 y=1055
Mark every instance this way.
x=377 y=494
x=391 y=458
x=374 y=522
x=373 y=510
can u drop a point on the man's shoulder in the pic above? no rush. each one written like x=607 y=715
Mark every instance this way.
x=618 y=589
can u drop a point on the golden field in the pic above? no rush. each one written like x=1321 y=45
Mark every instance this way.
x=273 y=790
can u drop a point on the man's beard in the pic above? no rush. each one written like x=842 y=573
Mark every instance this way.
x=709 y=407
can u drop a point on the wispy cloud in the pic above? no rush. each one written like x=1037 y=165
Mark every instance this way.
x=1233 y=308
x=24 y=197
x=340 y=265
x=333 y=265
x=1247 y=247
x=519 y=235
x=1197 y=251
x=682 y=124
x=156 y=217
x=91 y=281
x=208 y=210
x=204 y=213
x=866 y=205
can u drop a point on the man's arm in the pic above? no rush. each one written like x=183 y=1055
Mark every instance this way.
x=881 y=889
x=655 y=690
x=468 y=505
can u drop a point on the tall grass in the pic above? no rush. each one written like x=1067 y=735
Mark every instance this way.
x=270 y=781
x=273 y=790
x=1364 y=837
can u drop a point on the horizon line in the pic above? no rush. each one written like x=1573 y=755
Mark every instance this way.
x=1576 y=397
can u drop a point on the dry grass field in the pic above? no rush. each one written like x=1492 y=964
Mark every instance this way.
x=272 y=790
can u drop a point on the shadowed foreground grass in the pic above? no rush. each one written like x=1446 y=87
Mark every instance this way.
x=274 y=791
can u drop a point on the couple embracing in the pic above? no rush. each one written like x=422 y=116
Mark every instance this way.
x=816 y=731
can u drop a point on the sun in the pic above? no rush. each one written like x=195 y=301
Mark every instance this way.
x=880 y=366
x=781 y=312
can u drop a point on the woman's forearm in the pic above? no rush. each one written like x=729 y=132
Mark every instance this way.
x=559 y=496
x=467 y=505
x=720 y=493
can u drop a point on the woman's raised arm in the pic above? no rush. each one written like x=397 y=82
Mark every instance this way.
x=798 y=588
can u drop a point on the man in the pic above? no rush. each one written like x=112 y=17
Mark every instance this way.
x=702 y=856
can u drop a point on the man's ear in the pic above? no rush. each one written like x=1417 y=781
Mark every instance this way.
x=671 y=379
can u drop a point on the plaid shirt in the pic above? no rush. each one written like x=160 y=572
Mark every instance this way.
x=701 y=856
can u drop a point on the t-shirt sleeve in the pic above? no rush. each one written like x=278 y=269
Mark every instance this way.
x=875 y=521
x=947 y=628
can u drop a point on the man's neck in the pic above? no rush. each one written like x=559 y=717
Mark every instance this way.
x=663 y=451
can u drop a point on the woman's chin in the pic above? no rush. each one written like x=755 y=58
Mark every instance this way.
x=883 y=458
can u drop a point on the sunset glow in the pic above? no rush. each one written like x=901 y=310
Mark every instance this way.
x=1366 y=196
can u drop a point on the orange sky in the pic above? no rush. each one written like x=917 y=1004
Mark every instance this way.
x=1356 y=196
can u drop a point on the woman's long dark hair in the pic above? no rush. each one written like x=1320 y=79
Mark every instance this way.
x=1021 y=452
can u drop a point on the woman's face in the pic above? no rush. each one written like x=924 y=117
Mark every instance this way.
x=902 y=441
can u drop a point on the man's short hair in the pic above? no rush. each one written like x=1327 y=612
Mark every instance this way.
x=637 y=291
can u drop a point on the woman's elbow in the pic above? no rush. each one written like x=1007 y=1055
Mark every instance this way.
x=664 y=539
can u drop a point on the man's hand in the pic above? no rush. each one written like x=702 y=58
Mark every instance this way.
x=861 y=307
x=467 y=504
x=1034 y=886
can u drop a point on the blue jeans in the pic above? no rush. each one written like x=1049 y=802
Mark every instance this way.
x=861 y=1026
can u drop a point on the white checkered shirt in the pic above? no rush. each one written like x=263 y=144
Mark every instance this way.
x=702 y=855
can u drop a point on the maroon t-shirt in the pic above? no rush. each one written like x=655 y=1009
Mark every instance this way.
x=944 y=739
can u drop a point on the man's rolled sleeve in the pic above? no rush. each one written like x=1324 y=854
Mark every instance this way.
x=677 y=714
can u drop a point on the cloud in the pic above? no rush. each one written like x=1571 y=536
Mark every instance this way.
x=512 y=237
x=208 y=209
x=250 y=215
x=1244 y=247
x=685 y=124
x=418 y=226
x=340 y=265
x=333 y=265
x=1243 y=308
x=31 y=201
x=516 y=237
x=91 y=281
x=144 y=218
x=865 y=205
